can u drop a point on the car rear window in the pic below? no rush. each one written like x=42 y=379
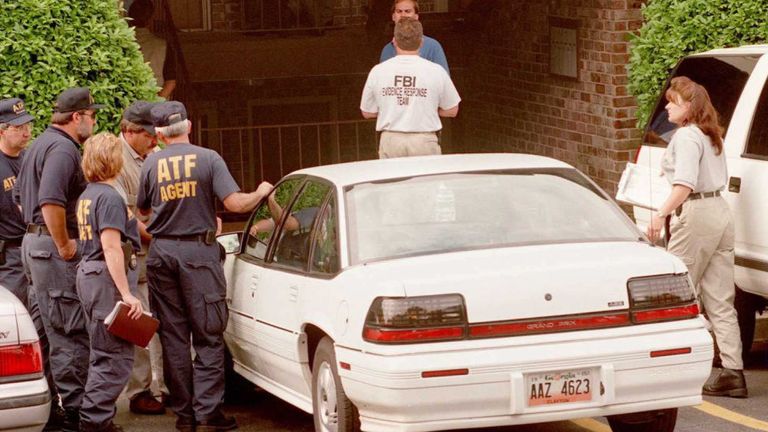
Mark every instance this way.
x=724 y=77
x=450 y=212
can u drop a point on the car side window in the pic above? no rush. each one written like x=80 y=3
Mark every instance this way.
x=263 y=221
x=757 y=144
x=293 y=242
x=325 y=254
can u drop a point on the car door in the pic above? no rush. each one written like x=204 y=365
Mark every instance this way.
x=748 y=170
x=278 y=300
x=247 y=272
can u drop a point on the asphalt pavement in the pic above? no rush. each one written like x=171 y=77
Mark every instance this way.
x=258 y=411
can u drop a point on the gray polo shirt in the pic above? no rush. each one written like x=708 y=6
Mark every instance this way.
x=691 y=160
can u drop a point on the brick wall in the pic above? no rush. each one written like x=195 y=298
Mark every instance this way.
x=514 y=104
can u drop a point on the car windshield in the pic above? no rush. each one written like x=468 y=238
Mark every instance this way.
x=448 y=212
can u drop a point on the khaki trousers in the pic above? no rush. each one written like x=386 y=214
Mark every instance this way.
x=403 y=144
x=703 y=238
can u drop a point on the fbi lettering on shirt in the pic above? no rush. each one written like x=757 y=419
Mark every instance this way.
x=404 y=88
x=83 y=227
x=8 y=183
x=174 y=175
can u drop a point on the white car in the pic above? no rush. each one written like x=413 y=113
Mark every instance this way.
x=457 y=292
x=25 y=401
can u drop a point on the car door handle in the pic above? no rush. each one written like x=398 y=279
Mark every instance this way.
x=734 y=184
x=293 y=293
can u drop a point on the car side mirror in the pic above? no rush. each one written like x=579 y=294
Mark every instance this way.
x=230 y=241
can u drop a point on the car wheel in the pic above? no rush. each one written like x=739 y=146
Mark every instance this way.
x=747 y=305
x=332 y=410
x=649 y=421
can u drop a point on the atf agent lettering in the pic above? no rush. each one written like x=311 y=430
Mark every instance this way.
x=8 y=183
x=173 y=174
x=83 y=227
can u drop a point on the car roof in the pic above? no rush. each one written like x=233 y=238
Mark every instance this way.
x=381 y=169
x=742 y=50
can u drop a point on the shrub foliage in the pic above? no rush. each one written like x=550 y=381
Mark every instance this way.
x=675 y=28
x=47 y=46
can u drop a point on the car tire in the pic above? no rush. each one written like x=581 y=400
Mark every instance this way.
x=747 y=305
x=649 y=421
x=331 y=409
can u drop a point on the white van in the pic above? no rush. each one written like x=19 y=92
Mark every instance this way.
x=735 y=79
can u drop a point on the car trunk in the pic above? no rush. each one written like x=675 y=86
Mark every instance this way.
x=524 y=282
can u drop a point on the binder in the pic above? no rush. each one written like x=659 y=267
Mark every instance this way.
x=139 y=332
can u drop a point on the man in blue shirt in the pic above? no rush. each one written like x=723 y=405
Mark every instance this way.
x=430 y=48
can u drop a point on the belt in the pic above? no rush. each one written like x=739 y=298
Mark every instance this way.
x=41 y=229
x=11 y=243
x=38 y=229
x=700 y=195
x=188 y=237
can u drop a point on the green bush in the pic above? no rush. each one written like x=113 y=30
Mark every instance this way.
x=675 y=28
x=47 y=46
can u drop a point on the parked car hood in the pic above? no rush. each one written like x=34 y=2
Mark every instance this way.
x=530 y=281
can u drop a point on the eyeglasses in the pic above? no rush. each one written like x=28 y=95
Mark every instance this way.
x=26 y=127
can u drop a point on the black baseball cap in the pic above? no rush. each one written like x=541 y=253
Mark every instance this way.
x=75 y=99
x=140 y=113
x=13 y=112
x=168 y=113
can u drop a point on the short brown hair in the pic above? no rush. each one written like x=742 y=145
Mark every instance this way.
x=102 y=157
x=59 y=118
x=128 y=126
x=415 y=5
x=408 y=34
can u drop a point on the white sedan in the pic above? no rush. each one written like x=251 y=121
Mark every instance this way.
x=457 y=292
x=25 y=401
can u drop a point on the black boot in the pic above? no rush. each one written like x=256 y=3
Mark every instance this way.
x=71 y=421
x=729 y=382
x=217 y=422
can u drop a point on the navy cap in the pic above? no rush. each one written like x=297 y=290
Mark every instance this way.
x=75 y=99
x=168 y=113
x=13 y=112
x=140 y=113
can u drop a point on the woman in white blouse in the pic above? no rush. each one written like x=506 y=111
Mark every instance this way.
x=701 y=225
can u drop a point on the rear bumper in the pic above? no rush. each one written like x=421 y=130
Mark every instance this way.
x=390 y=393
x=24 y=406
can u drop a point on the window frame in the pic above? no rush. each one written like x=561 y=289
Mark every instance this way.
x=268 y=254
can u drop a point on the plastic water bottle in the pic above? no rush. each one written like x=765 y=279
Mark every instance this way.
x=445 y=204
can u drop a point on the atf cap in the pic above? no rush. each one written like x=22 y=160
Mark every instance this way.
x=75 y=99
x=168 y=113
x=140 y=113
x=13 y=112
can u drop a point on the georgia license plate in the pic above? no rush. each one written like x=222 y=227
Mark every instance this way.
x=549 y=388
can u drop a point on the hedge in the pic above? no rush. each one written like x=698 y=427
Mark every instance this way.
x=675 y=28
x=47 y=46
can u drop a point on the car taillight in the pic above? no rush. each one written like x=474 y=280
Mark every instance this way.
x=662 y=298
x=416 y=319
x=23 y=359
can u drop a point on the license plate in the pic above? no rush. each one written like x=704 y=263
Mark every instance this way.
x=551 y=388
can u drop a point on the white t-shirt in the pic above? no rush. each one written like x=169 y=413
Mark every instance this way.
x=406 y=92
x=153 y=49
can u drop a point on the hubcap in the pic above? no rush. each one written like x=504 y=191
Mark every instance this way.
x=326 y=399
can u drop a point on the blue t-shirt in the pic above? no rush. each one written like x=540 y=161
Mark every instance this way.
x=180 y=184
x=11 y=225
x=50 y=174
x=430 y=50
x=101 y=207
